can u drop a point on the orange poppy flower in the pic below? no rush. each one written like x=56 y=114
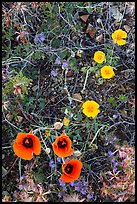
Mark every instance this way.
x=62 y=146
x=26 y=144
x=71 y=170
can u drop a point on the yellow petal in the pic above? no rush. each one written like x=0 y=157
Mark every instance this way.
x=121 y=42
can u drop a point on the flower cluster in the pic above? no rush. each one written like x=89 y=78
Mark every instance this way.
x=106 y=71
x=121 y=185
x=71 y=168
x=27 y=144
x=118 y=38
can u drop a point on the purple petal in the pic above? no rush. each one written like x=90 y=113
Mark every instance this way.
x=54 y=73
x=89 y=196
x=64 y=64
x=58 y=61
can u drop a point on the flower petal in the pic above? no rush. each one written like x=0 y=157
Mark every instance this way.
x=36 y=145
x=62 y=152
x=22 y=152
x=77 y=166
x=20 y=137
x=121 y=42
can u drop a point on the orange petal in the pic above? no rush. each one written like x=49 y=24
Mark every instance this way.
x=36 y=145
x=66 y=178
x=30 y=132
x=77 y=166
x=22 y=152
x=60 y=152
x=20 y=137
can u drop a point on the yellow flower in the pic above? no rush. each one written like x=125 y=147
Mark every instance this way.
x=47 y=133
x=107 y=72
x=99 y=56
x=118 y=36
x=66 y=121
x=90 y=108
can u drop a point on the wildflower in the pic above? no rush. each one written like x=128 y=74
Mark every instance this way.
x=64 y=64
x=71 y=170
x=26 y=144
x=62 y=146
x=107 y=72
x=22 y=34
x=118 y=37
x=20 y=187
x=72 y=183
x=66 y=121
x=52 y=165
x=17 y=89
x=114 y=174
x=60 y=194
x=62 y=183
x=58 y=61
x=47 y=133
x=83 y=192
x=54 y=73
x=39 y=38
x=90 y=108
x=99 y=56
x=110 y=153
x=59 y=159
x=58 y=125
x=90 y=196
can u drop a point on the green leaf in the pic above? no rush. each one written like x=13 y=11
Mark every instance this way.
x=123 y=98
x=87 y=166
x=90 y=10
x=112 y=101
x=100 y=80
x=42 y=104
x=80 y=116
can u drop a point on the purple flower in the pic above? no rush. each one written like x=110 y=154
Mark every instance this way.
x=89 y=196
x=83 y=192
x=72 y=183
x=54 y=73
x=85 y=183
x=115 y=163
x=52 y=165
x=114 y=169
x=77 y=188
x=64 y=64
x=58 y=159
x=51 y=162
x=62 y=183
x=64 y=188
x=58 y=61
x=39 y=38
x=59 y=194
x=20 y=187
x=110 y=153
